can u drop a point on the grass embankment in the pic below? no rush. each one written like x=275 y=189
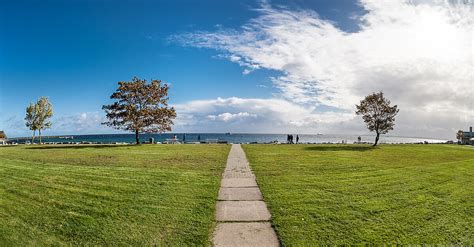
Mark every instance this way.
x=109 y=195
x=333 y=194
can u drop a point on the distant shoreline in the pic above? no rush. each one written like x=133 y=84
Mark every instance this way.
x=194 y=138
x=224 y=133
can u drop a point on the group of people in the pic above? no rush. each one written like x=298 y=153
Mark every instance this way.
x=289 y=139
x=175 y=137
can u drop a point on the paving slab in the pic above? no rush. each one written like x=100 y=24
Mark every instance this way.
x=245 y=234
x=237 y=164
x=238 y=173
x=238 y=182
x=242 y=211
x=241 y=214
x=240 y=194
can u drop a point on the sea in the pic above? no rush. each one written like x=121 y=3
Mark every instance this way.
x=225 y=138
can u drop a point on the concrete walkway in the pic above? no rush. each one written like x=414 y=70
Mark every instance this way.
x=242 y=216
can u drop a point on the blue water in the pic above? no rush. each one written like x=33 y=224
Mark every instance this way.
x=230 y=138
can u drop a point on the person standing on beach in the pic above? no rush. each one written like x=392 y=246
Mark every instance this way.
x=297 y=139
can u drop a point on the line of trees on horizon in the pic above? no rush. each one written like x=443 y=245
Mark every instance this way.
x=142 y=107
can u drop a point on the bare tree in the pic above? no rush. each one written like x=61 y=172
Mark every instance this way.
x=377 y=113
x=140 y=107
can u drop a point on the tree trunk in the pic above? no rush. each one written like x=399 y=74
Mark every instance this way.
x=137 y=137
x=33 y=138
x=39 y=133
x=376 y=139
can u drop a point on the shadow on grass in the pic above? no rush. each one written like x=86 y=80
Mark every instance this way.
x=7 y=146
x=79 y=146
x=341 y=148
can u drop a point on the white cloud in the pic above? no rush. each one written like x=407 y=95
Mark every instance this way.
x=227 y=116
x=78 y=123
x=84 y=123
x=420 y=53
x=252 y=115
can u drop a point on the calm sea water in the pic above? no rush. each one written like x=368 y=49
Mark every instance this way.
x=233 y=138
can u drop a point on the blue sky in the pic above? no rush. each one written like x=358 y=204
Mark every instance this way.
x=75 y=52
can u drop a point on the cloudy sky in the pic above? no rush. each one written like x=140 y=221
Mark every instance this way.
x=251 y=67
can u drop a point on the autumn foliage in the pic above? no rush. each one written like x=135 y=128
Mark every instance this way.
x=140 y=107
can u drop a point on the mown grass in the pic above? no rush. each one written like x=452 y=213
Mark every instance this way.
x=109 y=195
x=335 y=194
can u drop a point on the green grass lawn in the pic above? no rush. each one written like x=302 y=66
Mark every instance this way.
x=334 y=194
x=109 y=195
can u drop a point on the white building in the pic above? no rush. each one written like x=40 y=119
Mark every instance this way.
x=3 y=138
